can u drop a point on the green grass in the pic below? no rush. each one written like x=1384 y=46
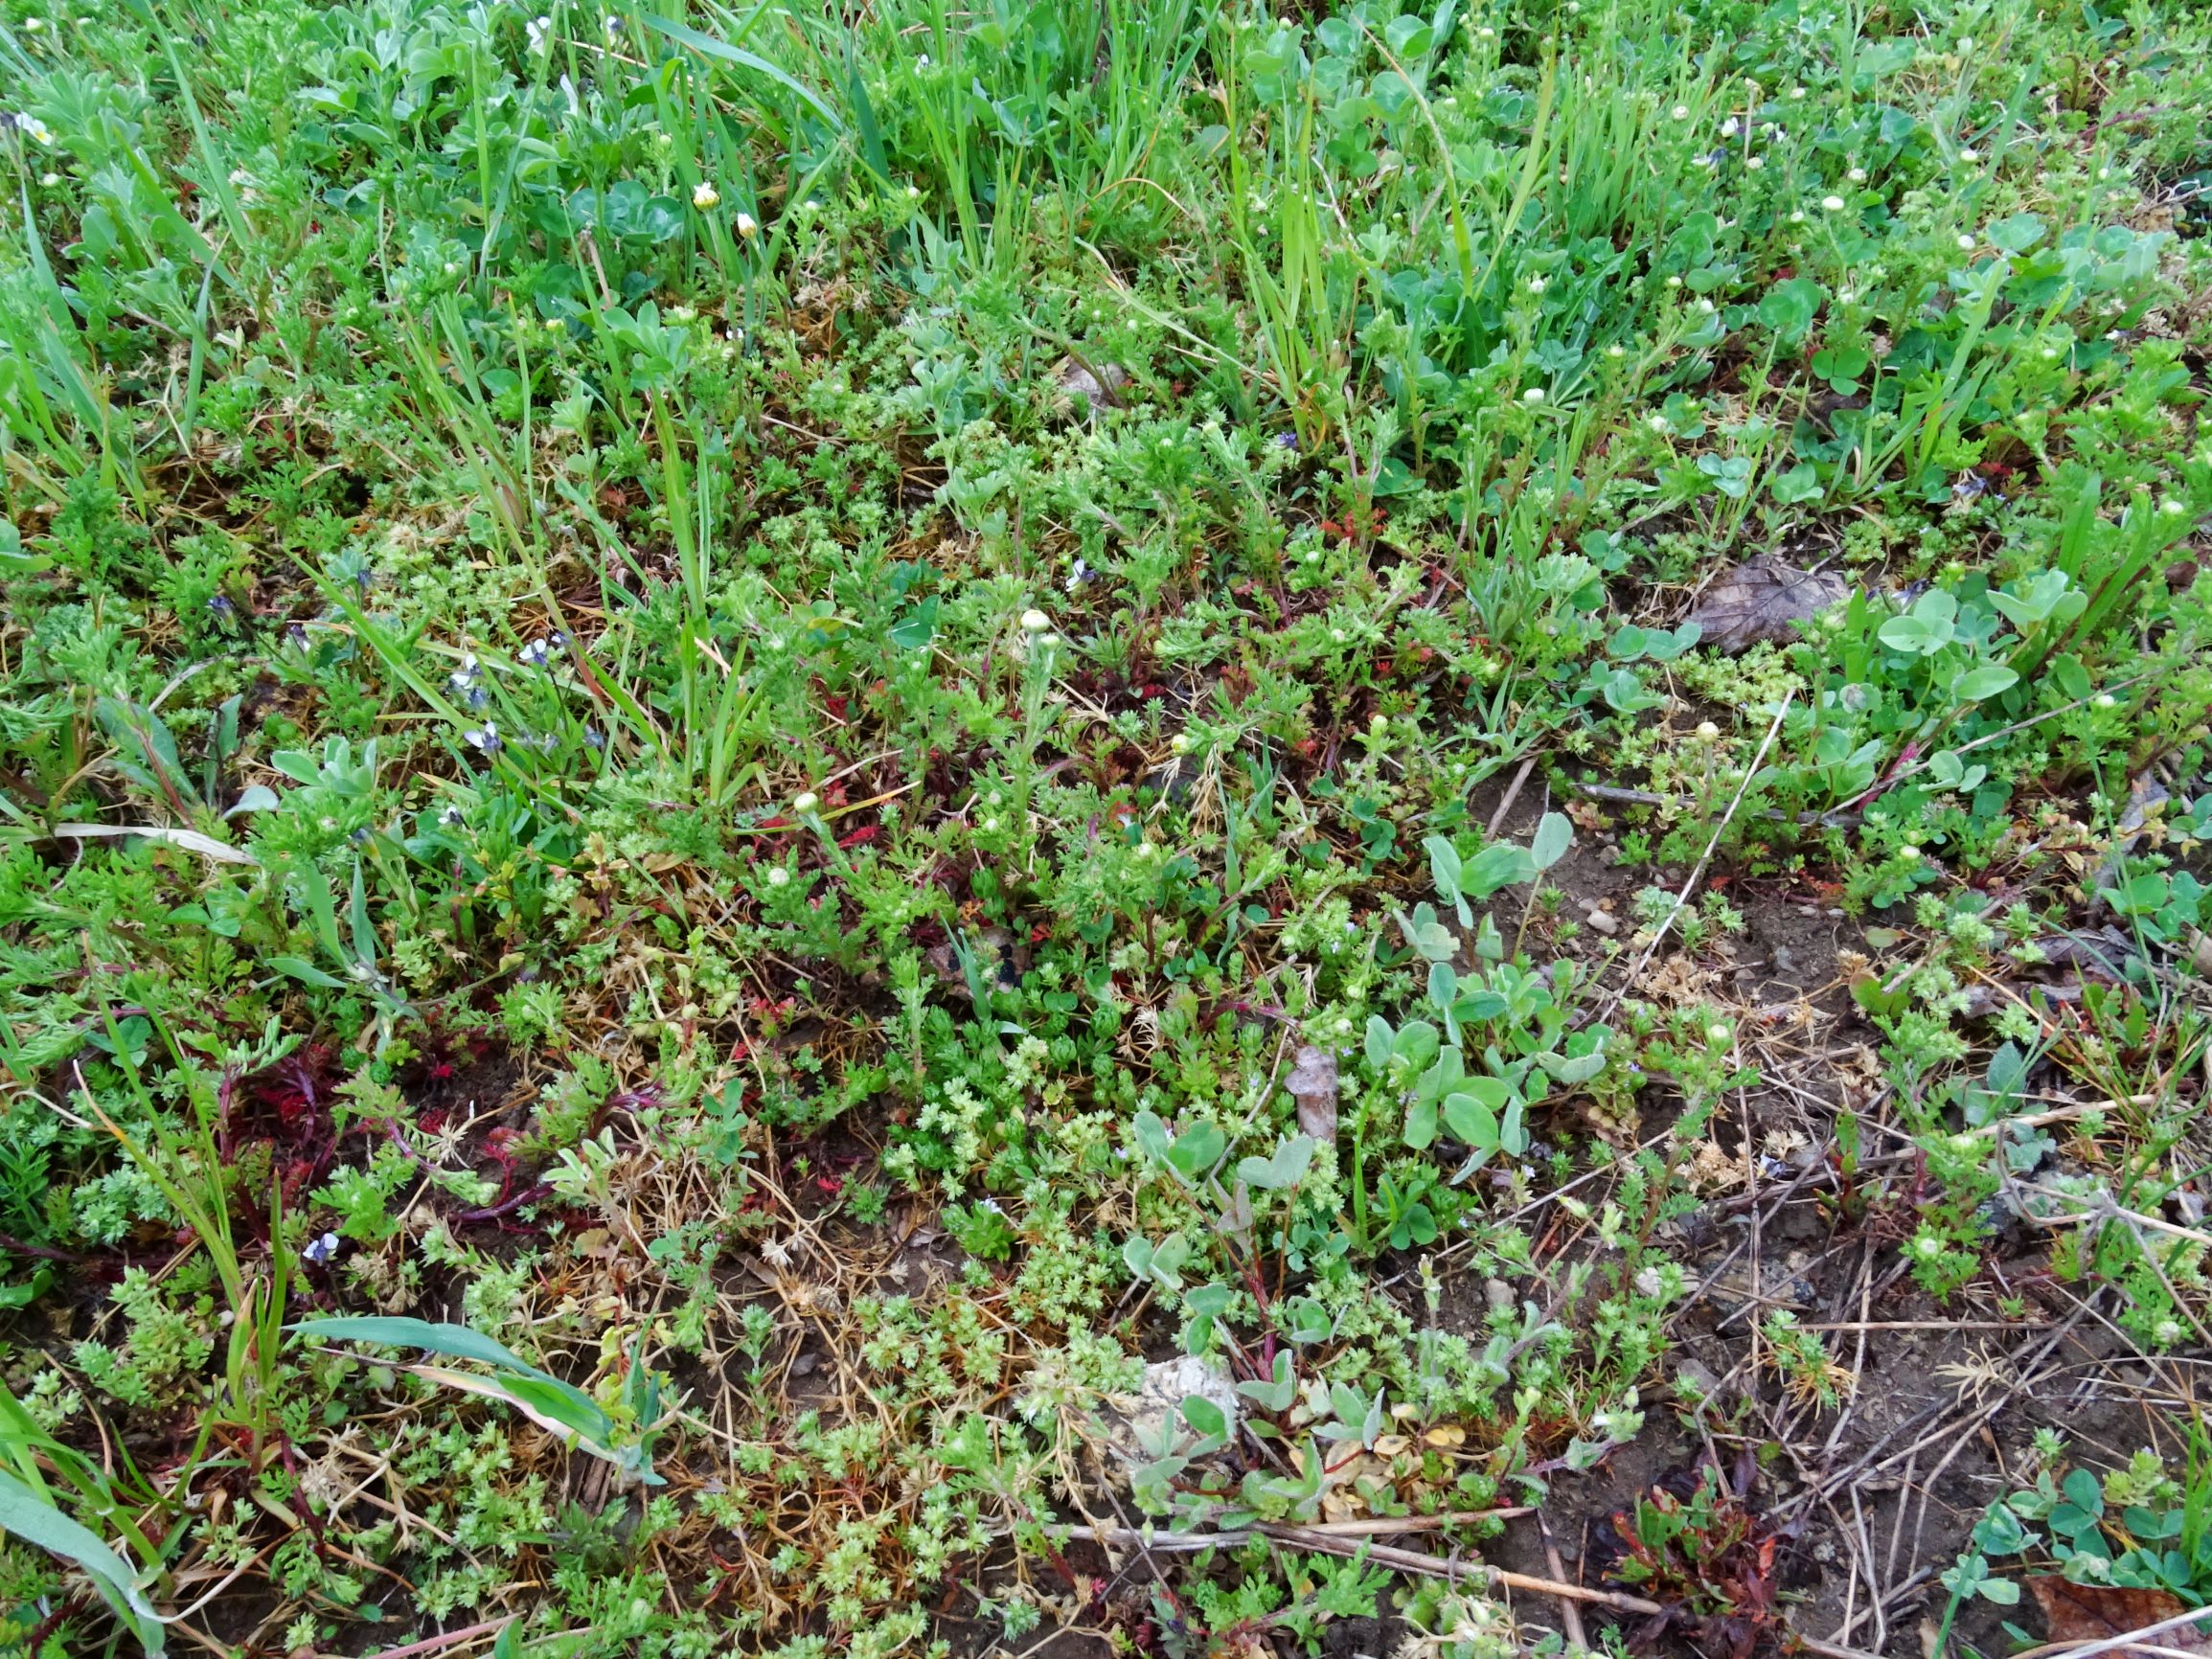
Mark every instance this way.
x=652 y=657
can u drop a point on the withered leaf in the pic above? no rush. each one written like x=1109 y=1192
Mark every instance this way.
x=2097 y=1612
x=1100 y=382
x=1312 y=1084
x=1763 y=599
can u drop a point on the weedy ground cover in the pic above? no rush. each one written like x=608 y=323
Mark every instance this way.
x=1123 y=826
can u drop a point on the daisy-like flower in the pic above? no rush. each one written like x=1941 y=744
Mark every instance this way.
x=1832 y=203
x=704 y=196
x=748 y=227
x=1035 y=622
x=1681 y=112
x=1534 y=394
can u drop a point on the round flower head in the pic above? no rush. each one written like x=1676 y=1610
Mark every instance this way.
x=704 y=196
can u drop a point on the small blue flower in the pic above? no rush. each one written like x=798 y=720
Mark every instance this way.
x=535 y=654
x=484 y=737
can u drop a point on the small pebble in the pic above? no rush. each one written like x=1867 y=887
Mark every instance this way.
x=1603 y=923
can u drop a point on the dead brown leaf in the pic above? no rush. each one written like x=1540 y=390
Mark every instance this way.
x=1312 y=1084
x=1764 y=599
x=2098 y=1612
x=1101 y=383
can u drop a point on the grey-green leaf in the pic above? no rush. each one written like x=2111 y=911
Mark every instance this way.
x=28 y=1517
x=454 y=1341
x=1554 y=834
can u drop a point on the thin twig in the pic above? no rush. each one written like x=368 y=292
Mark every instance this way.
x=1683 y=899
x=2089 y=1649
x=451 y=1639
x=1381 y=1555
